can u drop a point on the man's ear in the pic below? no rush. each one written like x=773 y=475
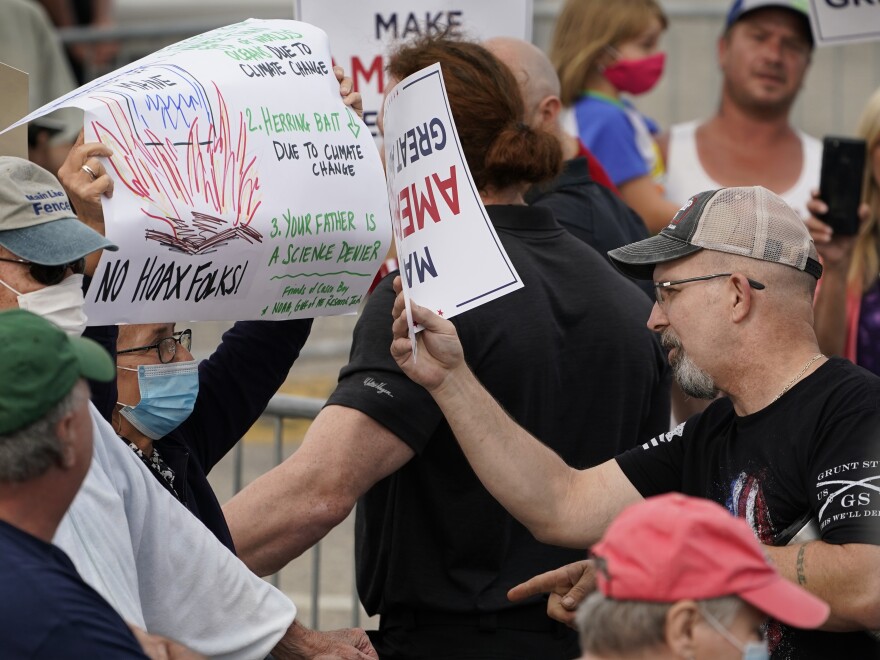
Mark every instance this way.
x=741 y=292
x=721 y=48
x=548 y=111
x=681 y=619
x=65 y=431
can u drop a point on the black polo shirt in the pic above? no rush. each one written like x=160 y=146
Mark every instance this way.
x=569 y=356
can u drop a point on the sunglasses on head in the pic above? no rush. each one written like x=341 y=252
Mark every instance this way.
x=50 y=275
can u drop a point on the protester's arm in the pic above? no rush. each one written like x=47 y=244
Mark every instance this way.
x=290 y=508
x=558 y=504
x=84 y=192
x=644 y=197
x=300 y=643
x=845 y=576
x=829 y=308
x=843 y=566
x=237 y=381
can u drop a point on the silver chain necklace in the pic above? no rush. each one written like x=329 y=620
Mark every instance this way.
x=798 y=377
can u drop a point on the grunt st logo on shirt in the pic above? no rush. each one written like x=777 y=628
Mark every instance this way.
x=847 y=491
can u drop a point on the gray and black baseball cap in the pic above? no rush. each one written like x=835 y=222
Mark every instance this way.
x=751 y=222
x=37 y=222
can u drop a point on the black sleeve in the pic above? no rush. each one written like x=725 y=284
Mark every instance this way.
x=103 y=394
x=237 y=381
x=657 y=466
x=845 y=479
x=373 y=383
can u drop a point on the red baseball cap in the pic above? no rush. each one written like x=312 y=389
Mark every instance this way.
x=673 y=547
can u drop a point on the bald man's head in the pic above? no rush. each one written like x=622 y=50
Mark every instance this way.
x=536 y=76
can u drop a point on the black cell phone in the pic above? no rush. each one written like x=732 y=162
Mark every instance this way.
x=843 y=168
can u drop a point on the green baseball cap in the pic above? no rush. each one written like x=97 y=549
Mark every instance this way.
x=40 y=365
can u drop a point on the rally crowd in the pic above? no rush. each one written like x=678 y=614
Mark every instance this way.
x=665 y=445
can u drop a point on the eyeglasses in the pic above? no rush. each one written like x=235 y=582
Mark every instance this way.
x=167 y=347
x=660 y=287
x=50 y=275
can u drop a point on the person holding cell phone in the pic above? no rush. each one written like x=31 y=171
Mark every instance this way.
x=847 y=306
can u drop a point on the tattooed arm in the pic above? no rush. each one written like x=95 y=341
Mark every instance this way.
x=846 y=576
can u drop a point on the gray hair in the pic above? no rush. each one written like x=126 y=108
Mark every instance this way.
x=621 y=627
x=28 y=452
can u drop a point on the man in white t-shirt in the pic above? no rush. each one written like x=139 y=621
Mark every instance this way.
x=764 y=55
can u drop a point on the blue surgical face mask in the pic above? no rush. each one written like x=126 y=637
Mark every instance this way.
x=750 y=650
x=168 y=394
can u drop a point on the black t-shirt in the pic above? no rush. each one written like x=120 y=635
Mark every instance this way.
x=47 y=611
x=568 y=356
x=813 y=453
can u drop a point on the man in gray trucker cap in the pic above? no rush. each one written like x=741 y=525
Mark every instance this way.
x=792 y=448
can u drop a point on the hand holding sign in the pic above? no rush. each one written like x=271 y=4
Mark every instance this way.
x=442 y=352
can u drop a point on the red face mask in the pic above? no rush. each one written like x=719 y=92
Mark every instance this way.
x=636 y=76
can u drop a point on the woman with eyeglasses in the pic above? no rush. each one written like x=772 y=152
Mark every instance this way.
x=157 y=371
x=181 y=416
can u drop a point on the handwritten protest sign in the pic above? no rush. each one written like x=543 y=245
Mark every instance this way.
x=244 y=188
x=451 y=259
x=362 y=40
x=844 y=21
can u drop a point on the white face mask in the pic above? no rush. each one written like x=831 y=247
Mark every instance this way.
x=62 y=304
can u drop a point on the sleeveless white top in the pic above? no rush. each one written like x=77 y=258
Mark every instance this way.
x=685 y=175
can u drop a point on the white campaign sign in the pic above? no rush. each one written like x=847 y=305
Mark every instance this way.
x=450 y=257
x=244 y=188
x=845 y=21
x=362 y=33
